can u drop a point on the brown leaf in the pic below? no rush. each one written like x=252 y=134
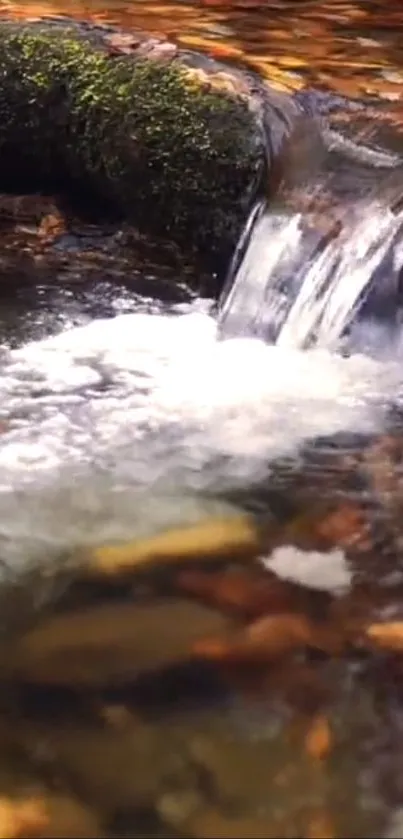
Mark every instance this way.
x=269 y=638
x=27 y=818
x=52 y=225
x=345 y=527
x=386 y=636
x=243 y=592
x=318 y=739
x=320 y=827
x=46 y=816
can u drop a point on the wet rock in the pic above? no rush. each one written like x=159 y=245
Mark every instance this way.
x=109 y=644
x=19 y=209
x=179 y=157
x=118 y=769
x=213 y=540
x=296 y=684
x=55 y=250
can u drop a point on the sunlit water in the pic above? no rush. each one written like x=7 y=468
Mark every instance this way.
x=299 y=286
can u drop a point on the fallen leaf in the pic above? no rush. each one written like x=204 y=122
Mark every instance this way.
x=291 y=63
x=320 y=827
x=344 y=527
x=225 y=50
x=247 y=594
x=318 y=739
x=51 y=226
x=269 y=638
x=26 y=818
x=387 y=636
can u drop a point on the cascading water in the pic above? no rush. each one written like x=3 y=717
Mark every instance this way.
x=131 y=423
x=296 y=286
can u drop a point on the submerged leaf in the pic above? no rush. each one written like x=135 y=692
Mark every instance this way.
x=269 y=638
x=26 y=818
x=320 y=827
x=387 y=636
x=318 y=740
x=249 y=594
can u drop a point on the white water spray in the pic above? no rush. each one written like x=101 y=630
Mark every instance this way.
x=297 y=288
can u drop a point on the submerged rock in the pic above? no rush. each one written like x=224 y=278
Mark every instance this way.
x=175 y=142
x=110 y=645
x=212 y=540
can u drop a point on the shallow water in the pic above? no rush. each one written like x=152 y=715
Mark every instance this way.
x=352 y=47
x=121 y=415
x=142 y=406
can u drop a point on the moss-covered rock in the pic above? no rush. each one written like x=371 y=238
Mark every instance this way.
x=142 y=130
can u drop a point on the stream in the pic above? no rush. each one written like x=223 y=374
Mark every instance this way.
x=125 y=410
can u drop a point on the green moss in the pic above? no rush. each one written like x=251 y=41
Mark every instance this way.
x=176 y=159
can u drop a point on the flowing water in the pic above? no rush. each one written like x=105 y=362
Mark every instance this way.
x=297 y=287
x=122 y=414
x=145 y=414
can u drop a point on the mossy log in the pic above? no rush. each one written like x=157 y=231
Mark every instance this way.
x=172 y=141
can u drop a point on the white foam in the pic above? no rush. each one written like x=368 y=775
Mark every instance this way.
x=324 y=571
x=104 y=417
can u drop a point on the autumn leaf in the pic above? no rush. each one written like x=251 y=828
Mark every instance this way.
x=386 y=636
x=318 y=739
x=269 y=638
x=19 y=819
x=247 y=594
x=345 y=526
x=320 y=827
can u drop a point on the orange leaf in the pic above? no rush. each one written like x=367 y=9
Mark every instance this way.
x=24 y=818
x=249 y=594
x=318 y=739
x=268 y=638
x=387 y=636
x=225 y=50
x=320 y=827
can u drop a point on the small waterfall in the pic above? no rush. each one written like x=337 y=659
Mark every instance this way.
x=299 y=281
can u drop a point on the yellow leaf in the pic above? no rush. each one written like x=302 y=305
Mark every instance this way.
x=388 y=636
x=291 y=63
x=197 y=42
